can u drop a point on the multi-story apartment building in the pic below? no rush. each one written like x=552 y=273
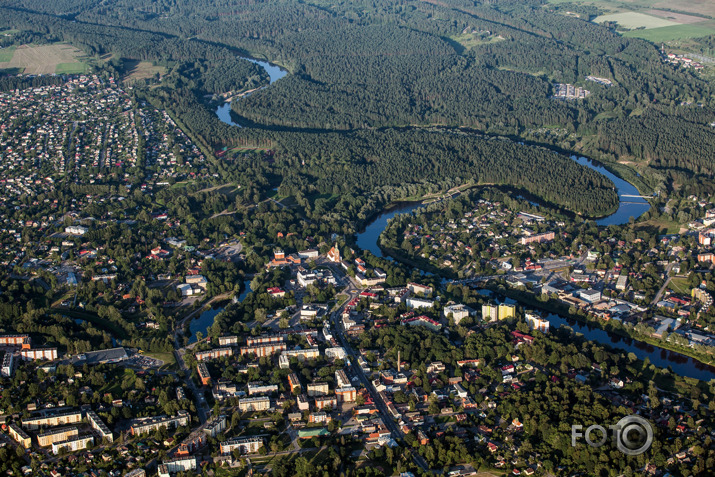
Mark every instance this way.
x=253 y=404
x=346 y=394
x=178 y=464
x=8 y=365
x=204 y=374
x=53 y=420
x=22 y=341
x=266 y=349
x=62 y=434
x=19 y=435
x=247 y=445
x=98 y=425
x=215 y=426
x=301 y=354
x=265 y=339
x=39 y=354
x=150 y=424
x=260 y=388
x=228 y=340
x=317 y=389
x=73 y=444
x=214 y=353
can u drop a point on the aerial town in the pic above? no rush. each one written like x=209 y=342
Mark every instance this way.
x=356 y=239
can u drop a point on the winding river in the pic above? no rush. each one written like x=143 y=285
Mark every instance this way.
x=630 y=205
x=274 y=72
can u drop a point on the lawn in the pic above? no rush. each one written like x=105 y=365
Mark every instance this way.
x=6 y=54
x=680 y=285
x=168 y=358
x=663 y=226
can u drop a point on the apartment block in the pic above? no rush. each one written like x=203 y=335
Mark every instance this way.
x=19 y=435
x=98 y=425
x=294 y=383
x=62 y=434
x=214 y=353
x=260 y=388
x=346 y=394
x=341 y=378
x=73 y=444
x=150 y=424
x=179 y=464
x=317 y=389
x=265 y=339
x=254 y=404
x=228 y=340
x=322 y=402
x=535 y=322
x=53 y=420
x=301 y=354
x=8 y=365
x=215 y=426
x=266 y=349
x=248 y=445
x=39 y=354
x=204 y=375
x=22 y=341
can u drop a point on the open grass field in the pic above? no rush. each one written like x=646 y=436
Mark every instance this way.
x=680 y=285
x=140 y=70
x=6 y=54
x=46 y=59
x=469 y=40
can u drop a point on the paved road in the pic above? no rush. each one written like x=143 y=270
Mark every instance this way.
x=201 y=406
x=353 y=291
x=665 y=284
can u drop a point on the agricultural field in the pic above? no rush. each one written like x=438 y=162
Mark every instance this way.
x=635 y=20
x=655 y=20
x=664 y=8
x=45 y=59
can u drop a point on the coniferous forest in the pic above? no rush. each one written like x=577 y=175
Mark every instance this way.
x=387 y=100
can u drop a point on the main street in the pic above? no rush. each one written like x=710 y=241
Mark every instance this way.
x=201 y=406
x=353 y=291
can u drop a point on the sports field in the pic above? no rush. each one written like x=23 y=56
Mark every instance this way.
x=44 y=59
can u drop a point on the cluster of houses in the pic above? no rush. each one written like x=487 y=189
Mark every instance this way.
x=102 y=126
x=684 y=61
x=569 y=91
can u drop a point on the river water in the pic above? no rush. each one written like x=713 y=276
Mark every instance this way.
x=206 y=319
x=628 y=207
x=274 y=72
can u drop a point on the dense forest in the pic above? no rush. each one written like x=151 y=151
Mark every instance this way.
x=363 y=74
